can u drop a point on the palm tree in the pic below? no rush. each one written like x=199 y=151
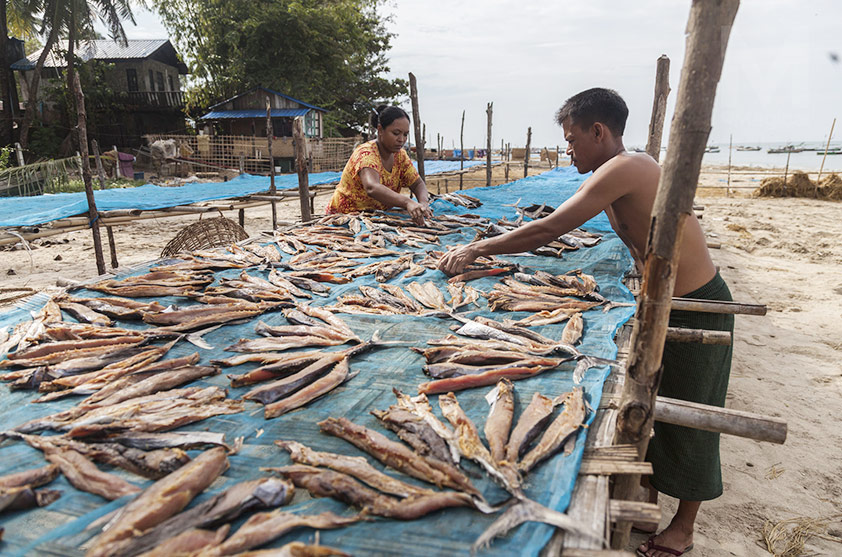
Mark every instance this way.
x=71 y=18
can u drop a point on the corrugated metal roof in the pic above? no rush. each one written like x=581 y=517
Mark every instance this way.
x=273 y=92
x=96 y=50
x=234 y=114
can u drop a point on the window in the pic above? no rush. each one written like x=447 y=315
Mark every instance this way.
x=131 y=79
x=311 y=124
x=160 y=81
x=151 y=80
x=169 y=77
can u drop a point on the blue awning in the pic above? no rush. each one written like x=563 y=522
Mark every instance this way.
x=237 y=114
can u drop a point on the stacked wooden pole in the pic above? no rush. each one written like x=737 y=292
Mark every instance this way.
x=489 y=111
x=659 y=107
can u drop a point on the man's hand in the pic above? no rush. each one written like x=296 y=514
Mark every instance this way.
x=418 y=212
x=454 y=261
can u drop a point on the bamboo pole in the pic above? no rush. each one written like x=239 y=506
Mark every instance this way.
x=716 y=306
x=659 y=106
x=269 y=133
x=109 y=232
x=489 y=111
x=701 y=336
x=300 y=143
x=462 y=149
x=826 y=147
x=528 y=147
x=786 y=168
x=720 y=420
x=708 y=29
x=730 y=150
x=86 y=172
x=416 y=123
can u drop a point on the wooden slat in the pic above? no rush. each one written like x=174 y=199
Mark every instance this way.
x=634 y=511
x=614 y=452
x=612 y=467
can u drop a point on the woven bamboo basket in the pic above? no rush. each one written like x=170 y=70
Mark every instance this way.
x=206 y=233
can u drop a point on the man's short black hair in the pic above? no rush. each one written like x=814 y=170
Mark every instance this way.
x=595 y=105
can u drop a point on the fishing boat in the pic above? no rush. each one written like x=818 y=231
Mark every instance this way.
x=747 y=148
x=837 y=151
x=712 y=149
x=786 y=149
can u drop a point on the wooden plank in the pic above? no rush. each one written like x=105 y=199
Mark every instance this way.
x=610 y=467
x=634 y=511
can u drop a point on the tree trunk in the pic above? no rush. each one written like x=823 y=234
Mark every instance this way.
x=32 y=98
x=420 y=141
x=269 y=133
x=6 y=136
x=86 y=172
x=300 y=144
x=707 y=37
x=489 y=111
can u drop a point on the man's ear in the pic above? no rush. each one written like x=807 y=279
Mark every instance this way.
x=598 y=131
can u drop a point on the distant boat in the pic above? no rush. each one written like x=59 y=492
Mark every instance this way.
x=712 y=149
x=747 y=148
x=786 y=149
x=830 y=152
x=638 y=149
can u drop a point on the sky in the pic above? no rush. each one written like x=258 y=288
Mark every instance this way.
x=779 y=81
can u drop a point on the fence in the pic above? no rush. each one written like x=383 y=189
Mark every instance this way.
x=251 y=153
x=49 y=176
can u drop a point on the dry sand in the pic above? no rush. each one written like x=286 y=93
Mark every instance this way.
x=784 y=253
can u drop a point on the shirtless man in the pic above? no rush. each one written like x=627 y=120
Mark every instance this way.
x=624 y=185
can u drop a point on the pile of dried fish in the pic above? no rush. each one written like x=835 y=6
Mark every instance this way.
x=156 y=283
x=311 y=326
x=18 y=491
x=422 y=298
x=488 y=351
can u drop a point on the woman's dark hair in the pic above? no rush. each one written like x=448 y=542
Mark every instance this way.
x=595 y=105
x=386 y=114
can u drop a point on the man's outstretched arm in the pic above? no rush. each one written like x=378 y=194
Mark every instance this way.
x=589 y=201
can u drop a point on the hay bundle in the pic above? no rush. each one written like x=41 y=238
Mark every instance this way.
x=800 y=185
x=787 y=537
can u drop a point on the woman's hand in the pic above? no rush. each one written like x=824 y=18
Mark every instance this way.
x=454 y=261
x=418 y=211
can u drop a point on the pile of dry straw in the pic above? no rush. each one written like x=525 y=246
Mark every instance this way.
x=800 y=185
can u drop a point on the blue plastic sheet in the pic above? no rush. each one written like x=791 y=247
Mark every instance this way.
x=60 y=528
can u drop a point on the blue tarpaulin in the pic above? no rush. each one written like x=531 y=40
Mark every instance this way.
x=60 y=528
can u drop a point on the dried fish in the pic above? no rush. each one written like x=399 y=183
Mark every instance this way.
x=174 y=439
x=566 y=424
x=189 y=542
x=316 y=389
x=391 y=269
x=414 y=430
x=25 y=497
x=572 y=332
x=84 y=314
x=491 y=376
x=119 y=308
x=280 y=281
x=264 y=527
x=532 y=421
x=398 y=456
x=499 y=420
x=32 y=478
x=342 y=487
x=355 y=466
x=300 y=330
x=159 y=501
x=428 y=295
x=263 y=493
x=479 y=273
x=84 y=475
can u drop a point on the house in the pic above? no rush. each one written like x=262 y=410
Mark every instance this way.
x=245 y=114
x=144 y=75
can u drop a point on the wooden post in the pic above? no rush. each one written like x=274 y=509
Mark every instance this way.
x=502 y=150
x=242 y=164
x=19 y=149
x=557 y=156
x=489 y=112
x=416 y=123
x=446 y=188
x=708 y=29
x=438 y=145
x=86 y=172
x=659 y=107
x=269 y=133
x=507 y=171
x=830 y=135
x=730 y=149
x=526 y=156
x=300 y=143
x=462 y=149
x=241 y=217
x=786 y=168
x=112 y=245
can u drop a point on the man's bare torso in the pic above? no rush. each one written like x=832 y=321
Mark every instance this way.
x=630 y=217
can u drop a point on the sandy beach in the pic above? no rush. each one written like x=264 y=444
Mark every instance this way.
x=783 y=253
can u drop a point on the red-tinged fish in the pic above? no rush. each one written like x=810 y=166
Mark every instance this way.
x=320 y=277
x=284 y=387
x=316 y=389
x=259 y=494
x=479 y=380
x=293 y=363
x=32 y=478
x=479 y=273
x=189 y=542
x=398 y=456
x=160 y=381
x=119 y=308
x=499 y=421
x=444 y=370
x=355 y=466
x=158 y=502
x=262 y=528
x=84 y=475
x=567 y=423
x=57 y=351
x=327 y=483
x=532 y=421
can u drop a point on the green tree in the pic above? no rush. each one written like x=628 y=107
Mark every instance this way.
x=331 y=53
